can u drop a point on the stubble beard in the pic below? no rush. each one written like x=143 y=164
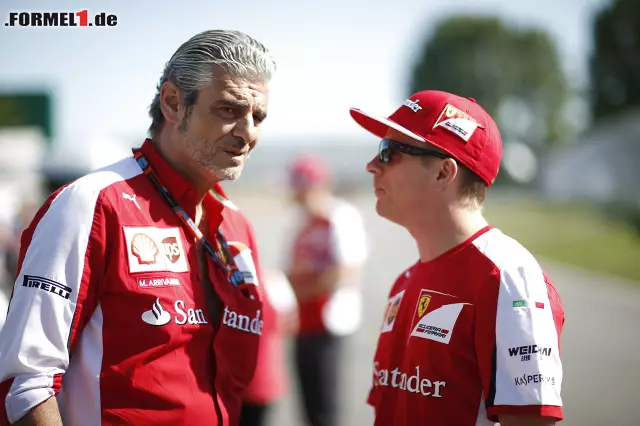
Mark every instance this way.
x=203 y=152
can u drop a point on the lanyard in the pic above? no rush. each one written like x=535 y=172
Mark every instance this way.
x=222 y=256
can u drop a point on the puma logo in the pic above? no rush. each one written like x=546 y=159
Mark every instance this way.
x=130 y=198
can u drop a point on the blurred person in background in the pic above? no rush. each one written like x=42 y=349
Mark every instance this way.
x=471 y=333
x=324 y=264
x=136 y=300
x=270 y=382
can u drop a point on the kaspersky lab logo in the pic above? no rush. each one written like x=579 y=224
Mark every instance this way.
x=81 y=18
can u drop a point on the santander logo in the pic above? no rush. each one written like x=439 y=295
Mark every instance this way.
x=157 y=315
x=412 y=382
x=242 y=322
x=183 y=315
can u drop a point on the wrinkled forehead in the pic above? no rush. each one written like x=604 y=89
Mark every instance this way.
x=237 y=90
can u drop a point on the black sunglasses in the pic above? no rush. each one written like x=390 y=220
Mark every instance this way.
x=388 y=147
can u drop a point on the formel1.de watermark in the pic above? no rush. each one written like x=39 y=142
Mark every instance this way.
x=81 y=18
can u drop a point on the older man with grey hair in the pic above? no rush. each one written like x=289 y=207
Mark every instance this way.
x=137 y=299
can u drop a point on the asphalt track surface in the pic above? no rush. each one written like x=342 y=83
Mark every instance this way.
x=600 y=344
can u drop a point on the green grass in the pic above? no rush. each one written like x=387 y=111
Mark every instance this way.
x=573 y=234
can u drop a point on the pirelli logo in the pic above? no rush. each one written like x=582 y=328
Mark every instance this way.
x=47 y=285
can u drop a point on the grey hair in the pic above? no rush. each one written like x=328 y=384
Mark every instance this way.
x=191 y=66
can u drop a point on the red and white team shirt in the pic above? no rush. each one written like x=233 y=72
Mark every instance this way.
x=109 y=314
x=335 y=239
x=468 y=336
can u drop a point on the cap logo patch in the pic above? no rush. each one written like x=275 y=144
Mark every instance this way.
x=457 y=122
x=413 y=105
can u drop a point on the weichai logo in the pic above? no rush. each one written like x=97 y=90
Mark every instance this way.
x=81 y=18
x=525 y=352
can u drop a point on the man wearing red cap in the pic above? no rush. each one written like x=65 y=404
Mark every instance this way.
x=471 y=333
x=325 y=260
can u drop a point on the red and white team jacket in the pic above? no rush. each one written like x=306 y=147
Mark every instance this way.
x=468 y=336
x=109 y=314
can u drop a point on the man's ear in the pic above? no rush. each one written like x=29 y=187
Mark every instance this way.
x=170 y=102
x=448 y=171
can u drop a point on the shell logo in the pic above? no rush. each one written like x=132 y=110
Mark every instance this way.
x=144 y=249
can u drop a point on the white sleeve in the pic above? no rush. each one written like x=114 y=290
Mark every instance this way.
x=279 y=291
x=528 y=368
x=348 y=236
x=47 y=299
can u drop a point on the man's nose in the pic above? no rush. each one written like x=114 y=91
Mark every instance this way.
x=246 y=129
x=374 y=166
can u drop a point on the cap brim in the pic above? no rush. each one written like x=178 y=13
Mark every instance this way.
x=379 y=126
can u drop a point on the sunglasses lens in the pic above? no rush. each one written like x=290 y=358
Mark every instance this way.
x=385 y=155
x=384 y=152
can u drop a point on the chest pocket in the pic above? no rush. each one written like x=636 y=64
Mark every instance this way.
x=244 y=261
